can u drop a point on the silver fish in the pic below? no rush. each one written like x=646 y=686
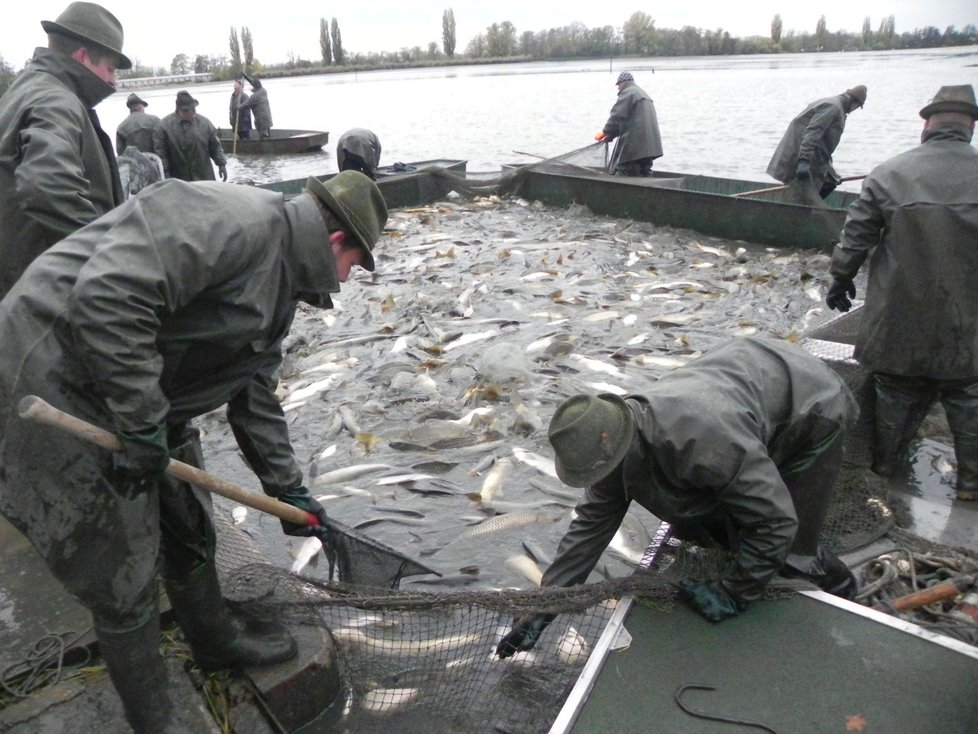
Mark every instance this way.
x=386 y=701
x=308 y=553
x=348 y=473
x=507 y=522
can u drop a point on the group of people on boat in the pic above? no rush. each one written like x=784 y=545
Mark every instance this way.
x=140 y=313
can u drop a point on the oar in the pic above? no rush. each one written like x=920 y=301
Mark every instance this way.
x=784 y=186
x=237 y=117
x=397 y=565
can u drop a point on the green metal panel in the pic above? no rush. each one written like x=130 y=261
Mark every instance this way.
x=702 y=203
x=799 y=666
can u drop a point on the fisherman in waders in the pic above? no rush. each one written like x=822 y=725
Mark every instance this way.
x=634 y=124
x=739 y=449
x=916 y=220
x=138 y=323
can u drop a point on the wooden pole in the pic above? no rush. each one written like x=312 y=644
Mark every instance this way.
x=35 y=409
x=784 y=186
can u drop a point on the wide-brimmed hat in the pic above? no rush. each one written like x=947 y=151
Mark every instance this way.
x=91 y=22
x=958 y=98
x=358 y=204
x=625 y=76
x=590 y=435
x=858 y=94
x=185 y=101
x=134 y=99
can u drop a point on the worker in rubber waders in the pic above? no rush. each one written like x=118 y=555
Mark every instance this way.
x=739 y=449
x=916 y=220
x=137 y=323
x=804 y=153
x=634 y=126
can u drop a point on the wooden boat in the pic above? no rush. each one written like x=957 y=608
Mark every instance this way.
x=403 y=184
x=707 y=204
x=282 y=142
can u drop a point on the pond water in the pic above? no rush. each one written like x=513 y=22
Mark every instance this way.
x=719 y=116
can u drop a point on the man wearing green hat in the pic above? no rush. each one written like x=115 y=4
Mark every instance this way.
x=916 y=219
x=187 y=142
x=137 y=129
x=139 y=322
x=738 y=449
x=805 y=151
x=57 y=166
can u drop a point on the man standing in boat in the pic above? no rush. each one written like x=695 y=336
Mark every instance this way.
x=740 y=449
x=917 y=215
x=258 y=104
x=359 y=150
x=186 y=142
x=172 y=305
x=57 y=168
x=805 y=151
x=239 y=117
x=633 y=123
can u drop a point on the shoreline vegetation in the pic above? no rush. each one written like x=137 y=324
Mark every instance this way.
x=503 y=44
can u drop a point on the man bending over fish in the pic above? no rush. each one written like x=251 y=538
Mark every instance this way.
x=738 y=449
x=169 y=306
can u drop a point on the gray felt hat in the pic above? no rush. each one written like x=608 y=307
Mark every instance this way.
x=358 y=204
x=590 y=435
x=91 y=22
x=959 y=98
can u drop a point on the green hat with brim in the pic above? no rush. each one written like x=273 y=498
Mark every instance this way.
x=959 y=98
x=92 y=23
x=185 y=100
x=358 y=204
x=590 y=435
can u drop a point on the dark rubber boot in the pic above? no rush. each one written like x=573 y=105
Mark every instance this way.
x=219 y=638
x=139 y=676
x=900 y=407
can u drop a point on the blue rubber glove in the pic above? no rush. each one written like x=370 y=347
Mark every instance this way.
x=711 y=600
x=144 y=457
x=299 y=496
x=804 y=171
x=841 y=290
x=524 y=635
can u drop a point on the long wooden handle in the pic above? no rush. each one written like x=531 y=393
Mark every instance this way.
x=35 y=409
x=772 y=189
x=938 y=592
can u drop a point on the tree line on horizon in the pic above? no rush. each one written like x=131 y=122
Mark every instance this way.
x=638 y=37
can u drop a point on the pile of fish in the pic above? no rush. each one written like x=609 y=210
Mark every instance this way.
x=419 y=405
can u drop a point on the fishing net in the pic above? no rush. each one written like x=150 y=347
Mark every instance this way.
x=425 y=662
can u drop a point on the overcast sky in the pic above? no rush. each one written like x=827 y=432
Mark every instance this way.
x=155 y=33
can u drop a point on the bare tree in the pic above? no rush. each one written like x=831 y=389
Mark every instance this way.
x=820 y=33
x=325 y=46
x=448 y=32
x=338 y=55
x=235 y=47
x=776 y=27
x=249 y=49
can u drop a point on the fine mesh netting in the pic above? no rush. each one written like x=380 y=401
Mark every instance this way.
x=415 y=661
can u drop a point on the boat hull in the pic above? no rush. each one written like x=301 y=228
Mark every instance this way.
x=703 y=203
x=282 y=142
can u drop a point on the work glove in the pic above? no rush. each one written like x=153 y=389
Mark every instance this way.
x=711 y=599
x=223 y=171
x=524 y=635
x=804 y=171
x=600 y=136
x=841 y=290
x=144 y=457
x=299 y=496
